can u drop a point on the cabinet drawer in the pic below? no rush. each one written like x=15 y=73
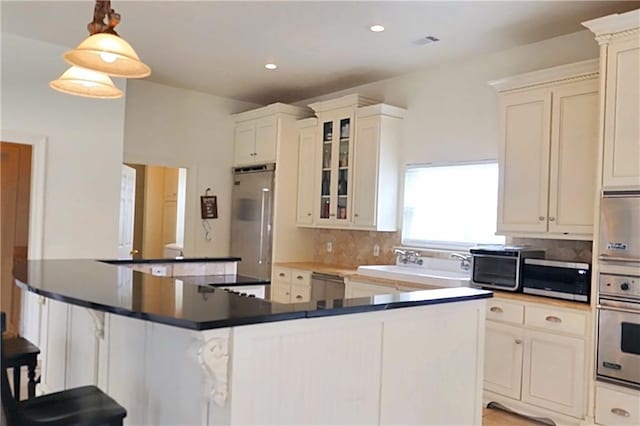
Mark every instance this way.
x=282 y=274
x=300 y=277
x=300 y=293
x=499 y=310
x=556 y=320
x=617 y=408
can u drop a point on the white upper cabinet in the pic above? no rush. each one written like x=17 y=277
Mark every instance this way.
x=308 y=129
x=619 y=38
x=355 y=166
x=258 y=132
x=548 y=152
x=375 y=184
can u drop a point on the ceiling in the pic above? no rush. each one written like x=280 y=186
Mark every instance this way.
x=320 y=47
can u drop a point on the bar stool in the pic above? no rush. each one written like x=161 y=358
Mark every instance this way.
x=19 y=352
x=85 y=406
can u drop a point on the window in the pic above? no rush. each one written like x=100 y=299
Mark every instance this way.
x=451 y=205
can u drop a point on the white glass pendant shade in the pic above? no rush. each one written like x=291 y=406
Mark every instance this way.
x=109 y=54
x=83 y=82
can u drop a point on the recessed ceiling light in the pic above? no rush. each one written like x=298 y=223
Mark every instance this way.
x=271 y=66
x=376 y=28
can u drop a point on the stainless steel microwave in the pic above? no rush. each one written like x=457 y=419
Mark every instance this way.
x=499 y=267
x=558 y=279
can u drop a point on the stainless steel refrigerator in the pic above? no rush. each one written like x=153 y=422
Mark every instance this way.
x=252 y=219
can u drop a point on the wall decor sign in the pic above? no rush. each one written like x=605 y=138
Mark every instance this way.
x=209 y=206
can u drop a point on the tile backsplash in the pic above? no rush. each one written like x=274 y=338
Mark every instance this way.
x=353 y=248
x=569 y=250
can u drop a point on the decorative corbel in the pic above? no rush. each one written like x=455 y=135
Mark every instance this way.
x=213 y=357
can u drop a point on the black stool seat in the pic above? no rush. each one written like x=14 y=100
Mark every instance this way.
x=86 y=405
x=19 y=352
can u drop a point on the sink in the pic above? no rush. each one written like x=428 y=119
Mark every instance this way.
x=436 y=272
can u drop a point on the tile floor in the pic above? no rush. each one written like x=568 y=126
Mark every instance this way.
x=493 y=417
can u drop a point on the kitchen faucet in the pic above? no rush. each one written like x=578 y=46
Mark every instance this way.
x=465 y=260
x=408 y=256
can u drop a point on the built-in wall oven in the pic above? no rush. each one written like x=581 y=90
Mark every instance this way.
x=619 y=329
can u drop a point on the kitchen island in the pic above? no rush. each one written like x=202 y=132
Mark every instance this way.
x=199 y=349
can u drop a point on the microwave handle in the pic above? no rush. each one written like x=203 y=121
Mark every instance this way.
x=618 y=259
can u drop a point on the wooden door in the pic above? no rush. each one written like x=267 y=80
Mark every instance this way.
x=503 y=359
x=15 y=169
x=306 y=175
x=622 y=109
x=524 y=161
x=553 y=375
x=127 y=211
x=365 y=181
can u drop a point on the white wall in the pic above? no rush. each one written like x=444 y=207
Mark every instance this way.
x=167 y=126
x=452 y=111
x=84 y=149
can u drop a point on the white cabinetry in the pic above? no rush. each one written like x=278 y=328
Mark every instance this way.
x=375 y=184
x=617 y=406
x=355 y=165
x=355 y=289
x=548 y=151
x=256 y=142
x=306 y=170
x=259 y=132
x=535 y=357
x=619 y=38
x=290 y=285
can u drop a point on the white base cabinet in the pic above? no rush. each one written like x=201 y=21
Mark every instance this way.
x=616 y=405
x=535 y=357
x=290 y=285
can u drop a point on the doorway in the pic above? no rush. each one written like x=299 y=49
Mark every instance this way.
x=159 y=211
x=15 y=169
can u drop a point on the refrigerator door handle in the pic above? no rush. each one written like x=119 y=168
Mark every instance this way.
x=262 y=218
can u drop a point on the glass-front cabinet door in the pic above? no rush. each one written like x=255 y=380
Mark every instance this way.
x=336 y=171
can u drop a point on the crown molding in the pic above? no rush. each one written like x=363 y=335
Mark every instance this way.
x=616 y=23
x=307 y=122
x=570 y=72
x=294 y=111
x=381 y=109
x=353 y=100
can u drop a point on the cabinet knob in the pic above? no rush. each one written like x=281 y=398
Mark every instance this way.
x=496 y=309
x=518 y=341
x=552 y=318
x=299 y=297
x=356 y=215
x=541 y=218
x=332 y=215
x=551 y=219
x=308 y=214
x=620 y=412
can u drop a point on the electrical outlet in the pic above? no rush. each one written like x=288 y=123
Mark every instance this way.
x=329 y=247
x=376 y=250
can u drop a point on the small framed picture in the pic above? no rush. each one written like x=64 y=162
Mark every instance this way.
x=209 y=206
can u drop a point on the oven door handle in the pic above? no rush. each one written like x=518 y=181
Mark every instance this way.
x=612 y=308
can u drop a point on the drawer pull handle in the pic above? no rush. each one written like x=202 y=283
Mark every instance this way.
x=281 y=274
x=496 y=309
x=299 y=277
x=518 y=341
x=299 y=297
x=620 y=412
x=552 y=318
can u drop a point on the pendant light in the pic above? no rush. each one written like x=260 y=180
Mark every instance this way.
x=102 y=54
x=84 y=82
x=104 y=50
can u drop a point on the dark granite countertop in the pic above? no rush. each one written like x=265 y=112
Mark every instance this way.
x=197 y=302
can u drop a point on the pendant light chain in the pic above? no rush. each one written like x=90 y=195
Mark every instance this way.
x=103 y=10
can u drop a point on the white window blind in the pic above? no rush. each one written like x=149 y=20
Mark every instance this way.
x=451 y=205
